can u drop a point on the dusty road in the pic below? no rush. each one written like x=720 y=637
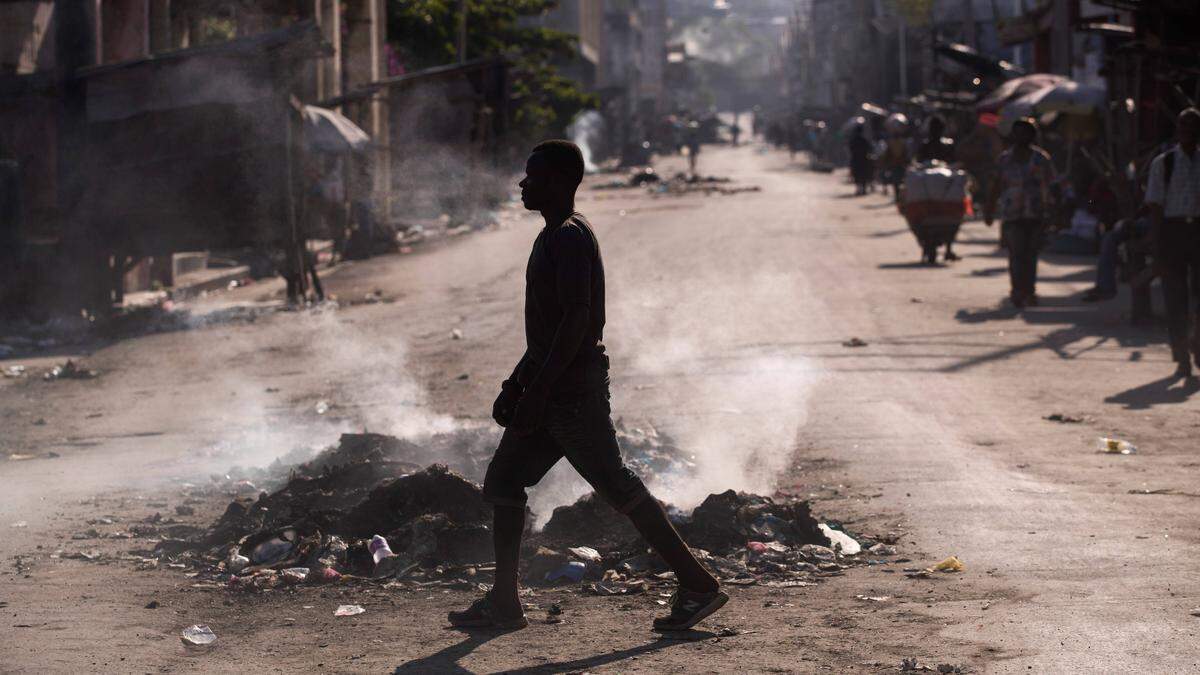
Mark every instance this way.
x=726 y=325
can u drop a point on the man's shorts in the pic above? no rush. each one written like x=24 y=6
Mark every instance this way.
x=579 y=429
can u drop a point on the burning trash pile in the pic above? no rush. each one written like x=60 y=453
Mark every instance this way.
x=379 y=508
x=681 y=183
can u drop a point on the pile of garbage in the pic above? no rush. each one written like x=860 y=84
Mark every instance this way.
x=375 y=507
x=681 y=183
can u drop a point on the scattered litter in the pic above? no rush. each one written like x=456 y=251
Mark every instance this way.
x=840 y=540
x=349 y=610
x=236 y=562
x=585 y=553
x=198 y=636
x=20 y=523
x=1196 y=612
x=456 y=334
x=1115 y=446
x=882 y=549
x=855 y=342
x=911 y=665
x=873 y=598
x=69 y=371
x=1063 y=419
x=14 y=371
x=572 y=571
x=322 y=407
x=951 y=564
x=153 y=604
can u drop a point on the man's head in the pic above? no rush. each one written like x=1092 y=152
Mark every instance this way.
x=552 y=174
x=1187 y=127
x=1024 y=131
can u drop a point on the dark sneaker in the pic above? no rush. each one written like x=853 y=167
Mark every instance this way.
x=483 y=614
x=951 y=256
x=689 y=608
x=1184 y=369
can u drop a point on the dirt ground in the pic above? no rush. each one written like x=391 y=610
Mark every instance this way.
x=934 y=430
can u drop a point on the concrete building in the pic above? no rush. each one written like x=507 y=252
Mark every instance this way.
x=106 y=110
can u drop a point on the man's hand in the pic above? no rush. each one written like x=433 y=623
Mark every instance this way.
x=506 y=404
x=531 y=409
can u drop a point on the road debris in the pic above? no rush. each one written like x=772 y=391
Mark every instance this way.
x=1115 y=446
x=198 y=635
x=14 y=371
x=69 y=371
x=855 y=342
x=348 y=610
x=1063 y=419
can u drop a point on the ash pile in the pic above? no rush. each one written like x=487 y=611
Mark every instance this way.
x=379 y=509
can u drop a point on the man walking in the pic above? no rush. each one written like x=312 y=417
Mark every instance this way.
x=1022 y=185
x=1173 y=195
x=555 y=404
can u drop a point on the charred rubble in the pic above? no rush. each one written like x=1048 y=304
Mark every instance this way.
x=323 y=521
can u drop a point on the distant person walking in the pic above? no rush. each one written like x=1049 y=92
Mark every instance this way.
x=1173 y=195
x=938 y=148
x=692 y=142
x=860 y=160
x=1022 y=187
x=555 y=404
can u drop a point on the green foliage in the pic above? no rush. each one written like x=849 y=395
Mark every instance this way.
x=915 y=12
x=424 y=33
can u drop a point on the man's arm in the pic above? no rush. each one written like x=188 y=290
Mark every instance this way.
x=1154 y=199
x=989 y=208
x=567 y=339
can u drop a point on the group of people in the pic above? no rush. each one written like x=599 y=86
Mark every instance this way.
x=1020 y=189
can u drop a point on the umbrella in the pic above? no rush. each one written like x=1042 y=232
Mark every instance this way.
x=984 y=65
x=1066 y=97
x=330 y=131
x=1069 y=97
x=1016 y=88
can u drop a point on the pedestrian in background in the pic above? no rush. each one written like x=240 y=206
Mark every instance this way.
x=860 y=160
x=1173 y=195
x=1022 y=187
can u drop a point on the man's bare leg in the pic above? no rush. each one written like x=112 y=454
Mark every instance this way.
x=651 y=521
x=508 y=524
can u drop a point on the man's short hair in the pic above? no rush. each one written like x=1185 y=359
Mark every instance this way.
x=1026 y=122
x=564 y=156
x=1191 y=113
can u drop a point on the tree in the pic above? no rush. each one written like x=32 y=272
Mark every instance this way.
x=424 y=34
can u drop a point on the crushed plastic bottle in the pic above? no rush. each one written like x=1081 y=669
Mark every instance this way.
x=1116 y=446
x=386 y=562
x=198 y=635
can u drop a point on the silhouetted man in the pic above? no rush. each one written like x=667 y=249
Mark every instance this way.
x=1173 y=195
x=555 y=404
x=1022 y=187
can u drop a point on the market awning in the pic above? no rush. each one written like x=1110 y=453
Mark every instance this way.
x=327 y=130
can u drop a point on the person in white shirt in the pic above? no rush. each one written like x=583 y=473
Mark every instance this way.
x=1173 y=195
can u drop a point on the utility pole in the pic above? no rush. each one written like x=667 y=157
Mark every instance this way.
x=462 y=31
x=902 y=35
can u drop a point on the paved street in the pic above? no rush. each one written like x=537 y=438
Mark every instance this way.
x=726 y=325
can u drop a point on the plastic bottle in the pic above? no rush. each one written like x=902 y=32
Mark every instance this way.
x=1115 y=446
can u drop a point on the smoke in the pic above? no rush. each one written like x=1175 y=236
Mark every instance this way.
x=700 y=371
x=588 y=131
x=366 y=385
